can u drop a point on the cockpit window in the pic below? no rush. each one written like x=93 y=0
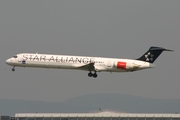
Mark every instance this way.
x=15 y=56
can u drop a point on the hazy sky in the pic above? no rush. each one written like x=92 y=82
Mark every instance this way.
x=106 y=28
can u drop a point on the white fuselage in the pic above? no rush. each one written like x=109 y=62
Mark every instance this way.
x=77 y=62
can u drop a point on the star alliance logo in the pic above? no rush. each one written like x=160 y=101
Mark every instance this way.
x=149 y=57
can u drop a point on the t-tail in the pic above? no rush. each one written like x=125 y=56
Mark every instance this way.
x=152 y=54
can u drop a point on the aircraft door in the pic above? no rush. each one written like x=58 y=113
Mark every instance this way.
x=109 y=64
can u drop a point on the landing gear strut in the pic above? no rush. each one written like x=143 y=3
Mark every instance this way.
x=13 y=69
x=90 y=74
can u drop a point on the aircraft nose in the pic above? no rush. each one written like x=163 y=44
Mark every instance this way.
x=8 y=61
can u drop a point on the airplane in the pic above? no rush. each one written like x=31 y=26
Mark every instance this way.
x=91 y=64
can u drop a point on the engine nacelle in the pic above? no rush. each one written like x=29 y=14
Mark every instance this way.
x=127 y=65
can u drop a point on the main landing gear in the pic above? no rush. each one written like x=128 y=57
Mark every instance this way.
x=13 y=69
x=90 y=74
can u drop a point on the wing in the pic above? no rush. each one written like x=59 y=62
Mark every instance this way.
x=89 y=67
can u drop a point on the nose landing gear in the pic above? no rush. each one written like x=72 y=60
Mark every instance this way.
x=90 y=74
x=13 y=69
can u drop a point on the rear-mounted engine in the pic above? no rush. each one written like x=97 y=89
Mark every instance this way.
x=121 y=65
x=127 y=66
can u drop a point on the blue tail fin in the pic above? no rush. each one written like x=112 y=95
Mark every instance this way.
x=152 y=54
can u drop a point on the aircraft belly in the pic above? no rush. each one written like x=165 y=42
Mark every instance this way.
x=118 y=70
x=46 y=65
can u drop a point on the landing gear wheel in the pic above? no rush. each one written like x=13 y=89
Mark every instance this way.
x=94 y=75
x=13 y=69
x=90 y=74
